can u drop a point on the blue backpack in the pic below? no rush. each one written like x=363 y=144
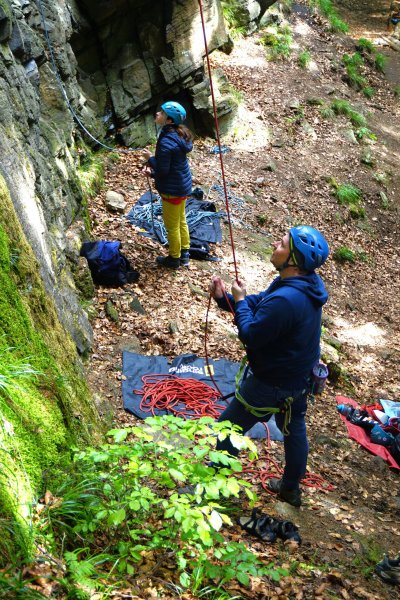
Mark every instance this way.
x=107 y=264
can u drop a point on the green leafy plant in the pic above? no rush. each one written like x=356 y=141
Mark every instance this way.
x=127 y=492
x=396 y=91
x=235 y=17
x=304 y=59
x=279 y=40
x=364 y=132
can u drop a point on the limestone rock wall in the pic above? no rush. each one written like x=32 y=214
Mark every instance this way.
x=111 y=63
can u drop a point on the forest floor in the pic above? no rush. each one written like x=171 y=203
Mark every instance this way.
x=283 y=159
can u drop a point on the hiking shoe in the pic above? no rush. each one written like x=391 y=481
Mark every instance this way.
x=389 y=570
x=185 y=258
x=292 y=497
x=168 y=261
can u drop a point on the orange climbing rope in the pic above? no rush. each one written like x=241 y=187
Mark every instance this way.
x=187 y=398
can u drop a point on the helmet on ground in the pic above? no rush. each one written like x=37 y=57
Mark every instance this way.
x=175 y=111
x=308 y=247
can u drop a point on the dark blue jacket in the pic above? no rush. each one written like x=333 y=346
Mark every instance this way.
x=170 y=165
x=281 y=329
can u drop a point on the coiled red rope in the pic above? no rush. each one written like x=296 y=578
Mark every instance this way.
x=187 y=398
x=265 y=467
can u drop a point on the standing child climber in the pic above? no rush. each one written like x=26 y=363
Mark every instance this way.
x=173 y=180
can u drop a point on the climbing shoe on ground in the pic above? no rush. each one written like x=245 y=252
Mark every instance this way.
x=288 y=531
x=185 y=258
x=260 y=525
x=168 y=261
x=389 y=570
x=292 y=497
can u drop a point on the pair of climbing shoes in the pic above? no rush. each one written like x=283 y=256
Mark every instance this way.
x=269 y=529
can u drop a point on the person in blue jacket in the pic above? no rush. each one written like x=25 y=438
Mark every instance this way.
x=173 y=180
x=280 y=329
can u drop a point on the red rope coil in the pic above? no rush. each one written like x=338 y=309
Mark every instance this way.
x=187 y=398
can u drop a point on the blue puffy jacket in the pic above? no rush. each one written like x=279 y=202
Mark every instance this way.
x=281 y=329
x=170 y=165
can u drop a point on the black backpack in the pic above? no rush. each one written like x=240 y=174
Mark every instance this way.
x=107 y=264
x=200 y=250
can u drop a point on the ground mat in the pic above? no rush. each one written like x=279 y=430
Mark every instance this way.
x=187 y=366
x=361 y=437
x=202 y=218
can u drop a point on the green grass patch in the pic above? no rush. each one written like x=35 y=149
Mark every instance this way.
x=278 y=40
x=346 y=254
x=350 y=196
x=364 y=45
x=235 y=17
x=380 y=62
x=370 y=553
x=396 y=91
x=304 y=59
x=326 y=8
x=343 y=107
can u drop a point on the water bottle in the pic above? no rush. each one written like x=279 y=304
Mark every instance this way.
x=320 y=375
x=344 y=409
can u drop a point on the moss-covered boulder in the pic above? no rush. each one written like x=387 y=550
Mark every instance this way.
x=45 y=404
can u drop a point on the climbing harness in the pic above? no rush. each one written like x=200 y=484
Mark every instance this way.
x=263 y=411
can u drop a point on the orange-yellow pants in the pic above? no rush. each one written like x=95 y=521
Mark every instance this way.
x=177 y=230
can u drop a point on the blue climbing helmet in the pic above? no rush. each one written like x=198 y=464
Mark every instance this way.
x=175 y=111
x=308 y=247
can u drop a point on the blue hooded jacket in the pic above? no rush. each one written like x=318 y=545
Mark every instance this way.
x=281 y=329
x=170 y=166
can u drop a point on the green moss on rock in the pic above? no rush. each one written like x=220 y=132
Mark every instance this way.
x=43 y=414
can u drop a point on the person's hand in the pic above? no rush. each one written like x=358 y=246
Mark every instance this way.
x=216 y=287
x=239 y=290
x=146 y=154
x=146 y=171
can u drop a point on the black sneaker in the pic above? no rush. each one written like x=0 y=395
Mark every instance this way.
x=292 y=497
x=389 y=570
x=185 y=258
x=168 y=261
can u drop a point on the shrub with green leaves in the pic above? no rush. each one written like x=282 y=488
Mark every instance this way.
x=126 y=494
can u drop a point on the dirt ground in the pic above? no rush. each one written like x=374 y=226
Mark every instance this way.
x=283 y=157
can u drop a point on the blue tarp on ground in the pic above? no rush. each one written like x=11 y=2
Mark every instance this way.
x=202 y=218
x=134 y=366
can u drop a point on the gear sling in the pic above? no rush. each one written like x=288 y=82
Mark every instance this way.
x=286 y=405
